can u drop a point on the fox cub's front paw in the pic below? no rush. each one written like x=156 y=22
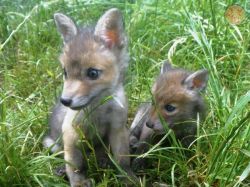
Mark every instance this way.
x=138 y=164
x=78 y=180
x=83 y=183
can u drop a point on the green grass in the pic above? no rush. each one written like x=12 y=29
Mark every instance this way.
x=192 y=34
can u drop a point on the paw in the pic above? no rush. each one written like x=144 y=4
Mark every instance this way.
x=87 y=183
x=77 y=179
x=133 y=141
x=138 y=164
x=130 y=181
x=103 y=163
x=60 y=171
x=83 y=183
x=133 y=144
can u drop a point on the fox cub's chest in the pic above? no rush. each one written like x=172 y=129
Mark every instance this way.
x=94 y=122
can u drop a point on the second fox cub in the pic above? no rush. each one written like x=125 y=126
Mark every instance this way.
x=177 y=101
x=94 y=60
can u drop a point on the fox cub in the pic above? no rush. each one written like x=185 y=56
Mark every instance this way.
x=177 y=101
x=94 y=60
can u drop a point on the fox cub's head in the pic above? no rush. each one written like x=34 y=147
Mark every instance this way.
x=93 y=59
x=177 y=99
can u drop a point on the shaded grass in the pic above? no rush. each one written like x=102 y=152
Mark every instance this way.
x=30 y=81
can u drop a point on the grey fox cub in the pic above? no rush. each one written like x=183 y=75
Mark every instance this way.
x=177 y=100
x=94 y=60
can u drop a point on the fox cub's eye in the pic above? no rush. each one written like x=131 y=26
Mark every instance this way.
x=65 y=73
x=93 y=73
x=169 y=108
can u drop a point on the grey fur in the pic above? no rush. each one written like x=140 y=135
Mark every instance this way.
x=52 y=140
x=93 y=118
x=137 y=124
x=183 y=125
x=166 y=66
x=65 y=26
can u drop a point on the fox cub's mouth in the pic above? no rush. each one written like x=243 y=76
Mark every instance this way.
x=76 y=104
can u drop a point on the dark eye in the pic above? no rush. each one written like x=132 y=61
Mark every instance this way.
x=169 y=108
x=65 y=73
x=93 y=73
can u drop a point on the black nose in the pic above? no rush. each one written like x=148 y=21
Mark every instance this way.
x=66 y=101
x=150 y=124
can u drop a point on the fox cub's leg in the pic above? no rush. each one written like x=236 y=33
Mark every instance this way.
x=51 y=140
x=137 y=126
x=72 y=154
x=119 y=143
x=142 y=147
x=119 y=140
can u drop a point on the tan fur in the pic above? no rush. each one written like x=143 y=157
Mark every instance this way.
x=85 y=115
x=95 y=58
x=169 y=90
x=180 y=89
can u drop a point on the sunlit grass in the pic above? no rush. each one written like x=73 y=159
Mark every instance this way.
x=191 y=34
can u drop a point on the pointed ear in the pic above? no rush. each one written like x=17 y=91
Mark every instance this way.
x=65 y=26
x=166 y=66
x=197 y=81
x=110 y=28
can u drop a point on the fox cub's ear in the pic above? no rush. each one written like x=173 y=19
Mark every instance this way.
x=166 y=66
x=197 y=81
x=110 y=28
x=65 y=26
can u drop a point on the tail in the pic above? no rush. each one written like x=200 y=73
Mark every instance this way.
x=51 y=144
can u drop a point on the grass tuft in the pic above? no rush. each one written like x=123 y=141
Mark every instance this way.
x=191 y=34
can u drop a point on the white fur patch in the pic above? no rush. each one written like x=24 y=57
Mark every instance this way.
x=119 y=97
x=118 y=100
x=69 y=117
x=139 y=116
